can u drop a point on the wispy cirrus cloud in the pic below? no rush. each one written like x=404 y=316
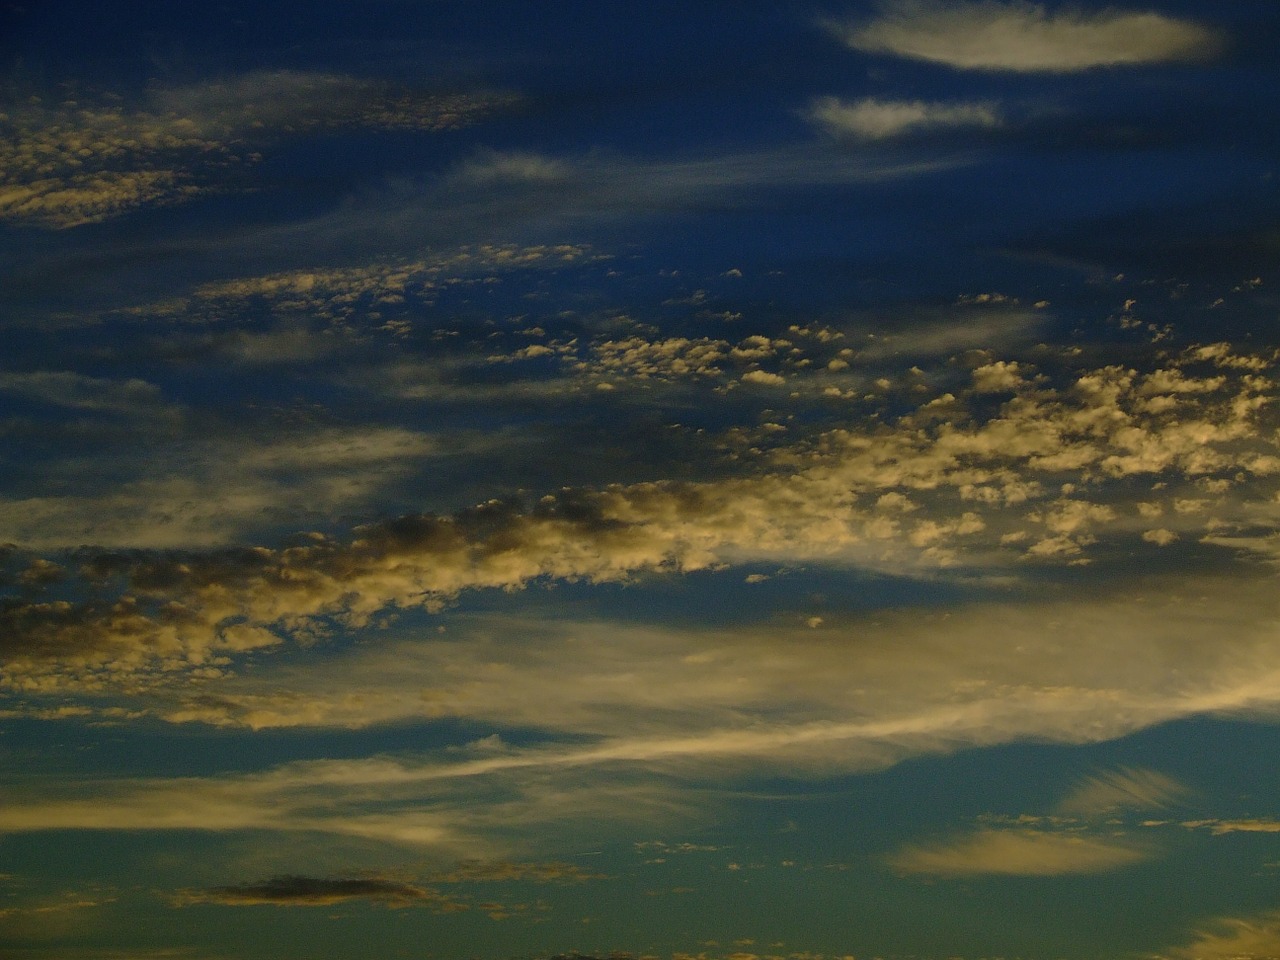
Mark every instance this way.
x=1122 y=789
x=1023 y=853
x=1025 y=37
x=1232 y=938
x=625 y=725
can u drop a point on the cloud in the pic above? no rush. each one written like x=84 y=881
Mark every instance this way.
x=1125 y=788
x=507 y=871
x=299 y=891
x=873 y=119
x=502 y=194
x=496 y=168
x=1220 y=827
x=72 y=913
x=1023 y=853
x=626 y=725
x=966 y=328
x=65 y=165
x=1256 y=938
x=75 y=391
x=205 y=493
x=1089 y=435
x=1025 y=37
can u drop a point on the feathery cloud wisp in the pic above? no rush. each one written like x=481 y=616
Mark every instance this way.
x=1027 y=853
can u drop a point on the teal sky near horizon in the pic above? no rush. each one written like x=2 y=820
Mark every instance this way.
x=735 y=481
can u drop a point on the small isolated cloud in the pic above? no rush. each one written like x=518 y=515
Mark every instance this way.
x=1126 y=788
x=1025 y=853
x=1025 y=37
x=997 y=377
x=298 y=891
x=513 y=167
x=872 y=119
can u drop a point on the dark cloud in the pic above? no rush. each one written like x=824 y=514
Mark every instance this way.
x=299 y=891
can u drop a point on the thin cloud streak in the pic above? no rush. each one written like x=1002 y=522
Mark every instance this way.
x=874 y=119
x=1019 y=853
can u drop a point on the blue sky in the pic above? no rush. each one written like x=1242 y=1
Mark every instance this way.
x=714 y=480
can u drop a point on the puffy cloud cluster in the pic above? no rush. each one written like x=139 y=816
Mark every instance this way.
x=1044 y=478
x=677 y=358
x=73 y=163
x=386 y=295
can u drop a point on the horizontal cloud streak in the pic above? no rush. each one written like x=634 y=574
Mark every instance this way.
x=635 y=724
x=1024 y=37
x=874 y=119
x=299 y=891
x=1233 y=938
x=1023 y=853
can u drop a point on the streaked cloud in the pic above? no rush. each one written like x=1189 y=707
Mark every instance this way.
x=874 y=119
x=636 y=726
x=204 y=493
x=1233 y=938
x=1024 y=853
x=1026 y=37
x=1122 y=789
x=76 y=391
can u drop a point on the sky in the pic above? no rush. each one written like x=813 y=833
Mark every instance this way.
x=689 y=481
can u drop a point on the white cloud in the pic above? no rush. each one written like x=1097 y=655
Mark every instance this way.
x=764 y=377
x=513 y=167
x=616 y=704
x=1024 y=853
x=1023 y=36
x=874 y=119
